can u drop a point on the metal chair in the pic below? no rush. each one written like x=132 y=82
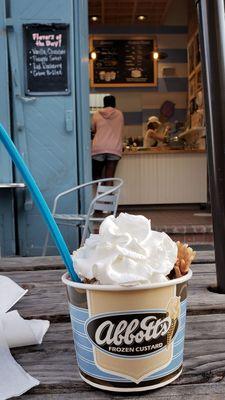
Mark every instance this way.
x=105 y=201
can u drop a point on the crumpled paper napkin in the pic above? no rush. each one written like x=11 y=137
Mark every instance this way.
x=21 y=332
x=14 y=332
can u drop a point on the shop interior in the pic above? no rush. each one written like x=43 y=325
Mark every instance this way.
x=146 y=54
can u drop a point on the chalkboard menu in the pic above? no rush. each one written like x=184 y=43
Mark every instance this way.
x=123 y=62
x=46 y=59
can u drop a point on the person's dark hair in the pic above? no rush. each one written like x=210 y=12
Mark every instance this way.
x=152 y=125
x=109 y=101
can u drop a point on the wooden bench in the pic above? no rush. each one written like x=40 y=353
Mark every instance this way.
x=54 y=363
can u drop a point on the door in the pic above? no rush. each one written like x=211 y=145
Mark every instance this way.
x=44 y=117
x=7 y=231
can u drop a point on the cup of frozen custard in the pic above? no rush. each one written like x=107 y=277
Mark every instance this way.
x=113 y=75
x=108 y=76
x=128 y=313
x=136 y=73
x=102 y=75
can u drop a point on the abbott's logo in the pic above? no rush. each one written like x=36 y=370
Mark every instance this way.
x=129 y=335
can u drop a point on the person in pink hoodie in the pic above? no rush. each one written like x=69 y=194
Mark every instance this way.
x=107 y=127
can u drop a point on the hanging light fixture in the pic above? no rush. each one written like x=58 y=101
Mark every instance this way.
x=93 y=55
x=94 y=18
x=141 y=17
x=158 y=55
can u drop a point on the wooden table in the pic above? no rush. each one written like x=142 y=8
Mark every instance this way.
x=54 y=363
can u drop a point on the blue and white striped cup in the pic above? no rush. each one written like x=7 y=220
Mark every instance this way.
x=128 y=338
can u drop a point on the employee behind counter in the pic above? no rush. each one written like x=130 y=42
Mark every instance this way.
x=154 y=136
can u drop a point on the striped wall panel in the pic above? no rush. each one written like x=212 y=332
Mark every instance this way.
x=172 y=41
x=137 y=101
x=139 y=117
x=175 y=55
x=180 y=69
x=179 y=98
x=133 y=118
x=179 y=114
x=172 y=84
x=133 y=131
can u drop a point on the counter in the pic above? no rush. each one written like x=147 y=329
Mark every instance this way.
x=162 y=150
x=163 y=176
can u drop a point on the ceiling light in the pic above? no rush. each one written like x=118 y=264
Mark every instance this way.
x=141 y=17
x=94 y=18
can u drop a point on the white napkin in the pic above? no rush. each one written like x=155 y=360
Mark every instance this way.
x=10 y=293
x=15 y=331
x=21 y=332
x=14 y=381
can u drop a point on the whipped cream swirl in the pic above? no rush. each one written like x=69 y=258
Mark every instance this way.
x=126 y=252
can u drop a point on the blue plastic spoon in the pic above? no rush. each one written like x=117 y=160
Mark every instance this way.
x=39 y=201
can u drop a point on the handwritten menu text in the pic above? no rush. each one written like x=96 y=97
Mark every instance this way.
x=46 y=57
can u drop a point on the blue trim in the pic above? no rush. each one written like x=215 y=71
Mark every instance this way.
x=140 y=117
x=137 y=29
x=174 y=56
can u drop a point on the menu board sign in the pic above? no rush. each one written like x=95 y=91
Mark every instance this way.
x=46 y=59
x=123 y=62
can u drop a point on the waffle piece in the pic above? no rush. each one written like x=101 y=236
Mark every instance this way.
x=185 y=256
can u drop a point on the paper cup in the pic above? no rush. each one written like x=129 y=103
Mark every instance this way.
x=128 y=339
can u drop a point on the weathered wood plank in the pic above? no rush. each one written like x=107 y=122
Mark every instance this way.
x=39 y=277
x=200 y=299
x=203 y=268
x=30 y=263
x=46 y=292
x=54 y=364
x=55 y=262
x=47 y=295
x=54 y=361
x=205 y=256
x=215 y=391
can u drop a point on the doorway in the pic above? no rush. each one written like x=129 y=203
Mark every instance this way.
x=45 y=47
